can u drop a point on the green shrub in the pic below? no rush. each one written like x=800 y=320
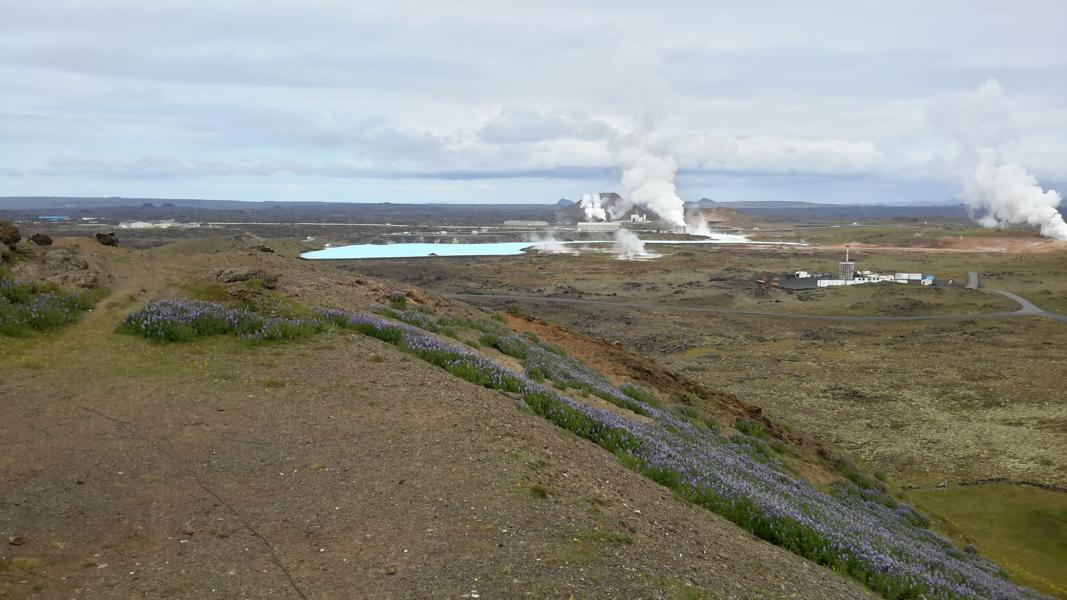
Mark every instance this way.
x=750 y=427
x=639 y=394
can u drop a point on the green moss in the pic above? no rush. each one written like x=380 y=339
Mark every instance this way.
x=208 y=292
x=20 y=565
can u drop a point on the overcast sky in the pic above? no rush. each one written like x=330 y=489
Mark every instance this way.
x=470 y=101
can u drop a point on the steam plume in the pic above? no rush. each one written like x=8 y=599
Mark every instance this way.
x=648 y=181
x=549 y=244
x=629 y=247
x=998 y=192
x=593 y=209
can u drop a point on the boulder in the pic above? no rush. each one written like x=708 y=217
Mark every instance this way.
x=41 y=239
x=69 y=269
x=107 y=239
x=9 y=233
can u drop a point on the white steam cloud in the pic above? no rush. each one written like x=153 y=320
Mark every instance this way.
x=998 y=192
x=549 y=244
x=648 y=181
x=630 y=247
x=594 y=210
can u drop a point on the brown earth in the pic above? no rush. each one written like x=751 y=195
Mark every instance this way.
x=1009 y=245
x=333 y=468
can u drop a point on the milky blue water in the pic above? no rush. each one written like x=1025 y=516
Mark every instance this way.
x=359 y=251
x=416 y=250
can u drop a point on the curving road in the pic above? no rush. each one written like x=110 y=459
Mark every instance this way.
x=1026 y=309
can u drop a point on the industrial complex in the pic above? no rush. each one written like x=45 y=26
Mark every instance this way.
x=848 y=275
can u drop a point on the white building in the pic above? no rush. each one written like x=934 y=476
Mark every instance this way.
x=599 y=226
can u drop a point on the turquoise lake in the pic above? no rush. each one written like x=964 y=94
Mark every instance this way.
x=420 y=250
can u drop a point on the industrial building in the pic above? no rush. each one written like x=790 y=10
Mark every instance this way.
x=848 y=275
x=599 y=226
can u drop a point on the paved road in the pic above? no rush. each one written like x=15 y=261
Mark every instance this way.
x=1026 y=309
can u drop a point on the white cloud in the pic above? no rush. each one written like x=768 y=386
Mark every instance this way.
x=117 y=91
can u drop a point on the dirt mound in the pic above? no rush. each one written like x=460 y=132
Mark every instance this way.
x=66 y=266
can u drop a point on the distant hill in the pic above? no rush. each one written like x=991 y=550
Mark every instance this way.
x=73 y=203
x=285 y=212
x=563 y=209
x=611 y=202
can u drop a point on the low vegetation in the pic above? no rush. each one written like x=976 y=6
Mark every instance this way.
x=183 y=321
x=851 y=528
x=26 y=308
x=856 y=527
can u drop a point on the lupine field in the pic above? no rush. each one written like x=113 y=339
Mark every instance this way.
x=182 y=321
x=28 y=308
x=855 y=529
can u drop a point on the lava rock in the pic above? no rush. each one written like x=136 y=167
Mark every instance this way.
x=41 y=239
x=270 y=281
x=69 y=269
x=107 y=239
x=9 y=233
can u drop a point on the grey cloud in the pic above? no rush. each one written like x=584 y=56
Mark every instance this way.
x=169 y=168
x=542 y=91
x=525 y=125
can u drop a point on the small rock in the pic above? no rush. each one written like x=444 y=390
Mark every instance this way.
x=107 y=239
x=16 y=540
x=41 y=239
x=262 y=248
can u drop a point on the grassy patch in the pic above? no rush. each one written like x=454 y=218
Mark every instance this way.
x=1023 y=528
x=538 y=490
x=678 y=590
x=20 y=565
x=206 y=292
x=587 y=546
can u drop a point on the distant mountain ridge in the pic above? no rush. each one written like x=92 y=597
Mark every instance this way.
x=562 y=209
